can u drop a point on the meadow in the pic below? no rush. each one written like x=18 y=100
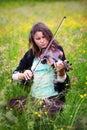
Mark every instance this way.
x=16 y=20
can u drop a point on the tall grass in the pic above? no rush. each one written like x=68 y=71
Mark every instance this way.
x=15 y=23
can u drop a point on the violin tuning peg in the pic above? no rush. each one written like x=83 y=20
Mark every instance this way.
x=70 y=63
x=67 y=61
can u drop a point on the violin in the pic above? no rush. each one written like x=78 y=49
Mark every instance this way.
x=56 y=56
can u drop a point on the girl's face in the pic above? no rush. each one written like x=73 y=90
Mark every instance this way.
x=40 y=40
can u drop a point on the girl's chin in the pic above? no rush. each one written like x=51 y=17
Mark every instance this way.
x=43 y=47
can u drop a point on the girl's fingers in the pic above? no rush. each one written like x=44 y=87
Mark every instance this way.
x=28 y=74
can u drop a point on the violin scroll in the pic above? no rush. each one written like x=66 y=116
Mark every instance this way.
x=67 y=65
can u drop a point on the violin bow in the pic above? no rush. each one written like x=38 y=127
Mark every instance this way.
x=46 y=50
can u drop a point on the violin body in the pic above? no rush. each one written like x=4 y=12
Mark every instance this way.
x=55 y=55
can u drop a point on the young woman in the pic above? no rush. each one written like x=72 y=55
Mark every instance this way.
x=50 y=77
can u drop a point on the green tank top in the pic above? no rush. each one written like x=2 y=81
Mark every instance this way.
x=43 y=86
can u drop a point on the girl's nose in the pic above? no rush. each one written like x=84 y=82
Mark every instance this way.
x=41 y=40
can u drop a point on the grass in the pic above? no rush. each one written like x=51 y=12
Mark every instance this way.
x=16 y=21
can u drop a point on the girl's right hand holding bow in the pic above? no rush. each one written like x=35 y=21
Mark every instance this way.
x=27 y=75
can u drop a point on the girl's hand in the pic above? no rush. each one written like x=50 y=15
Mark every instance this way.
x=27 y=74
x=60 y=68
x=59 y=65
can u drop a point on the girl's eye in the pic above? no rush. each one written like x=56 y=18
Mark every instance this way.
x=40 y=38
x=37 y=38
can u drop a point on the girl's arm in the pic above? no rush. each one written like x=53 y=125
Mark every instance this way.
x=23 y=70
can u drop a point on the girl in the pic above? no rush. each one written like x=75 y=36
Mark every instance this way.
x=50 y=77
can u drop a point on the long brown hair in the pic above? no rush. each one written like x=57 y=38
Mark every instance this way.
x=46 y=32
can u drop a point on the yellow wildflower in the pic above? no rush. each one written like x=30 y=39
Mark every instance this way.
x=39 y=115
x=9 y=80
x=10 y=109
x=85 y=82
x=45 y=112
x=81 y=96
x=36 y=113
x=84 y=51
x=61 y=129
x=85 y=95
x=6 y=108
x=74 y=83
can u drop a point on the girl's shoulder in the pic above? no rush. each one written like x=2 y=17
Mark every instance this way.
x=28 y=54
x=60 y=47
x=28 y=57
